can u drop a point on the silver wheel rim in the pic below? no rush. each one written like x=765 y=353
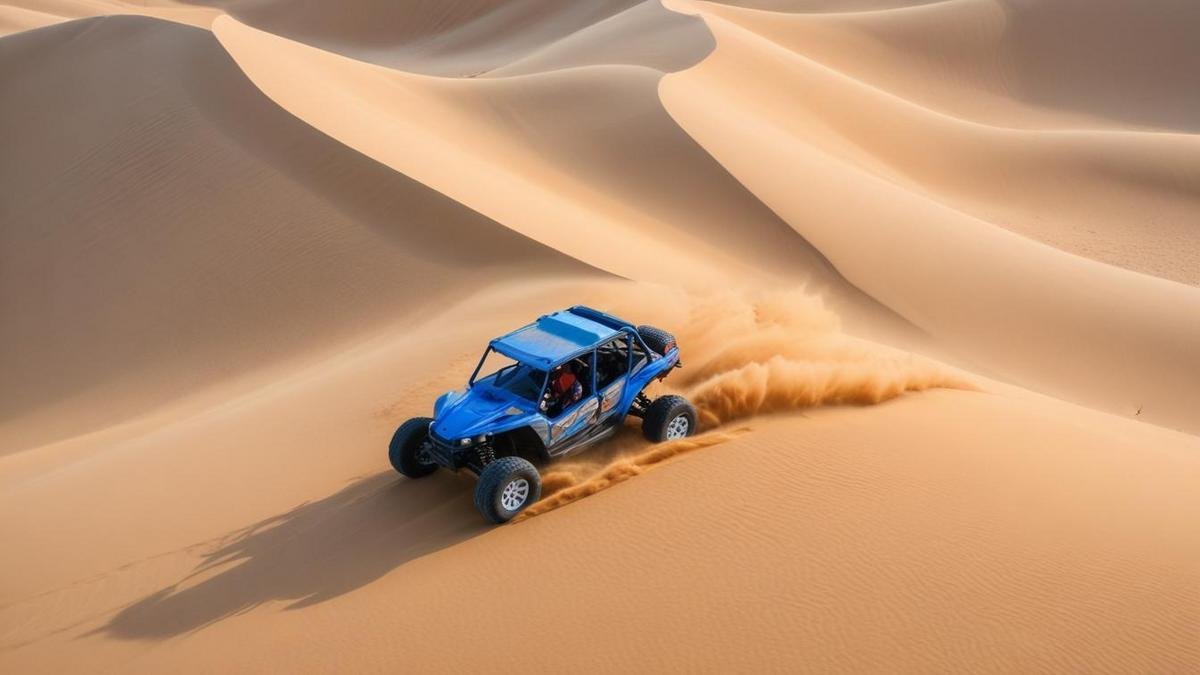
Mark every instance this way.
x=678 y=428
x=514 y=494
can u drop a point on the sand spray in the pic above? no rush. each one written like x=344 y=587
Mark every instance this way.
x=747 y=354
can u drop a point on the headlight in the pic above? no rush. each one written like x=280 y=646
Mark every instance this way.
x=464 y=442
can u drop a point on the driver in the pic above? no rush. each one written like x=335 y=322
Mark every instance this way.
x=564 y=389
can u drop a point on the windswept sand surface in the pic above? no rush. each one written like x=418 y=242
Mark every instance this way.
x=934 y=267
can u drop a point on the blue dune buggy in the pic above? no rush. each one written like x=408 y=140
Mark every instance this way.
x=540 y=393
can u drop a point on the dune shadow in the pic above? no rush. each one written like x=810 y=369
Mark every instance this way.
x=312 y=553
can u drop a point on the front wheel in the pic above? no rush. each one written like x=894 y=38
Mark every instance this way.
x=404 y=450
x=669 y=418
x=505 y=488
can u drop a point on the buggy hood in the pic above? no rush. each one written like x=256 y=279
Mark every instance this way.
x=481 y=409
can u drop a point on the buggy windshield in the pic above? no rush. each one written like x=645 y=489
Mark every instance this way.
x=510 y=375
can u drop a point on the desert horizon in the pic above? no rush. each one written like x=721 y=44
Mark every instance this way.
x=930 y=270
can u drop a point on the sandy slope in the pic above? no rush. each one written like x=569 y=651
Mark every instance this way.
x=837 y=523
x=262 y=236
x=1004 y=63
x=17 y=19
x=55 y=11
x=1133 y=194
x=1105 y=336
x=585 y=160
x=232 y=261
x=852 y=535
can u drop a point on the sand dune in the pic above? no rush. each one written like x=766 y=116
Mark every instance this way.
x=1134 y=194
x=171 y=10
x=263 y=237
x=221 y=567
x=585 y=161
x=235 y=254
x=939 y=517
x=17 y=19
x=1003 y=63
x=975 y=286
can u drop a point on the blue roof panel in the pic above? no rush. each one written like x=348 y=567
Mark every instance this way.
x=553 y=338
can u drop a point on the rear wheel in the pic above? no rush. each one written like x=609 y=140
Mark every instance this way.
x=657 y=339
x=669 y=418
x=404 y=450
x=505 y=488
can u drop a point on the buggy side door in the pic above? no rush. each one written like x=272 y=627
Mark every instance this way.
x=582 y=414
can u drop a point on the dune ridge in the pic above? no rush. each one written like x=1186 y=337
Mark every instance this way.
x=459 y=39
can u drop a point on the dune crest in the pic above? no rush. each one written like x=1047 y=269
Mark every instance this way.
x=647 y=204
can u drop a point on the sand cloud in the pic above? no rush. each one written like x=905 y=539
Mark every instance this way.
x=753 y=354
x=785 y=351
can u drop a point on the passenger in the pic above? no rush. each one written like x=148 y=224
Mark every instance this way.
x=564 y=389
